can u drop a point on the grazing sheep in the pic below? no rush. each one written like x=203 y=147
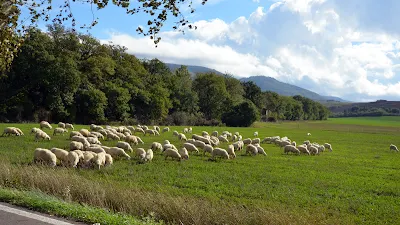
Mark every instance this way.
x=256 y=134
x=140 y=153
x=150 y=132
x=61 y=154
x=75 y=145
x=247 y=141
x=109 y=160
x=284 y=143
x=255 y=141
x=97 y=134
x=207 y=148
x=166 y=146
x=303 y=149
x=308 y=134
x=328 y=146
x=139 y=140
x=59 y=130
x=261 y=150
x=219 y=152
x=291 y=148
x=204 y=133
x=42 y=135
x=393 y=147
x=116 y=152
x=61 y=125
x=45 y=124
x=185 y=130
x=19 y=131
x=124 y=145
x=99 y=160
x=45 y=156
x=169 y=152
x=190 y=147
x=199 y=144
x=251 y=149
x=165 y=129
x=190 y=130
x=175 y=133
x=214 y=133
x=238 y=145
x=75 y=133
x=156 y=146
x=231 y=151
x=138 y=129
x=96 y=149
x=223 y=139
x=72 y=159
x=112 y=136
x=35 y=130
x=294 y=143
x=69 y=126
x=182 y=137
x=10 y=131
x=83 y=140
x=184 y=153
x=84 y=132
x=312 y=149
x=132 y=139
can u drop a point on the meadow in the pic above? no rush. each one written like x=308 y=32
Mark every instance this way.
x=356 y=183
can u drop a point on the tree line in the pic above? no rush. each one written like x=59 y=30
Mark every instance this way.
x=61 y=75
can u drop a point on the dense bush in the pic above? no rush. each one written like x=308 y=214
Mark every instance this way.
x=242 y=115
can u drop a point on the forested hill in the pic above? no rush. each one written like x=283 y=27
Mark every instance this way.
x=64 y=76
x=267 y=84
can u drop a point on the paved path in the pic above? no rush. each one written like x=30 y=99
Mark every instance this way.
x=13 y=215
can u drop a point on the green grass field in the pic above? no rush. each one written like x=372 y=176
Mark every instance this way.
x=356 y=183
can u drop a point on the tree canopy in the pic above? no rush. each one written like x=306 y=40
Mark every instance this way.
x=61 y=75
x=158 y=12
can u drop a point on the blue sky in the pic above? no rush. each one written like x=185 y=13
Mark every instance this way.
x=348 y=49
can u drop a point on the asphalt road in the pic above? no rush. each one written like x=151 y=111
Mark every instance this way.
x=14 y=215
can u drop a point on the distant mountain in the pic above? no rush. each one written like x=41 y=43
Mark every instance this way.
x=193 y=69
x=268 y=84
x=271 y=84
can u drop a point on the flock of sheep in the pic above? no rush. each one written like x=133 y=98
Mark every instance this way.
x=87 y=151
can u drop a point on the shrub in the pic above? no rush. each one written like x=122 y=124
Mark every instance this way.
x=242 y=115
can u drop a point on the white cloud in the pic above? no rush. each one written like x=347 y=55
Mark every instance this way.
x=324 y=45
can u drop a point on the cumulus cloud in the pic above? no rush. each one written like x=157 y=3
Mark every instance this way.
x=348 y=49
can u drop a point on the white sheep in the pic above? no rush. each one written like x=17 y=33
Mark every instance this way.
x=165 y=129
x=303 y=149
x=169 y=152
x=309 y=134
x=185 y=130
x=132 y=139
x=69 y=126
x=231 y=151
x=45 y=156
x=328 y=146
x=112 y=136
x=182 y=137
x=10 y=131
x=156 y=146
x=96 y=149
x=75 y=145
x=75 y=133
x=109 y=160
x=139 y=140
x=139 y=129
x=45 y=124
x=261 y=150
x=256 y=134
x=247 y=141
x=312 y=149
x=61 y=154
x=59 y=130
x=251 y=149
x=190 y=147
x=190 y=130
x=219 y=152
x=99 y=160
x=149 y=155
x=42 y=135
x=116 y=152
x=223 y=139
x=140 y=153
x=291 y=148
x=204 y=133
x=184 y=153
x=73 y=159
x=83 y=140
x=207 y=148
x=61 y=125
x=84 y=132
x=214 y=133
x=124 y=145
x=35 y=130
x=393 y=148
x=150 y=132
x=294 y=143
x=255 y=141
x=199 y=144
